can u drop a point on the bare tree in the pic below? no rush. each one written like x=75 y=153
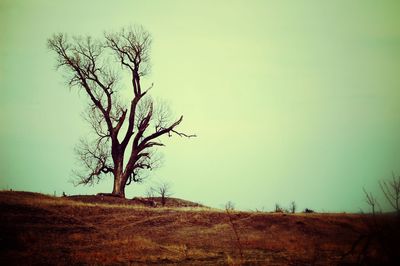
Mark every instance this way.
x=371 y=201
x=391 y=190
x=378 y=244
x=230 y=206
x=278 y=208
x=130 y=130
x=164 y=191
x=292 y=207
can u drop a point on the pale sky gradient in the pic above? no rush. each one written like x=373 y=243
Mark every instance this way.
x=291 y=100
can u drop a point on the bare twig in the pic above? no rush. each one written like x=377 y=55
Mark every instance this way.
x=229 y=208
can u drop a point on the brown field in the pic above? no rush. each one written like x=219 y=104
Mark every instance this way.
x=36 y=229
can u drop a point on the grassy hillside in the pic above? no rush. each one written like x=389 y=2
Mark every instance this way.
x=40 y=229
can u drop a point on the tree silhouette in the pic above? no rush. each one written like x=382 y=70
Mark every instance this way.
x=164 y=191
x=130 y=130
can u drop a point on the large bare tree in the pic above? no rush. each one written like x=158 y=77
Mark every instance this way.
x=126 y=134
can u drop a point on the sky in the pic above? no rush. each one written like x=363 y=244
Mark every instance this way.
x=290 y=100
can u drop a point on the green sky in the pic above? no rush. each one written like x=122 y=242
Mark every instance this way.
x=291 y=100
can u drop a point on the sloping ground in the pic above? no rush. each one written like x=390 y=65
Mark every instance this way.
x=102 y=199
x=39 y=230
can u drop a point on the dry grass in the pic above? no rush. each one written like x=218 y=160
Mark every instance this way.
x=39 y=229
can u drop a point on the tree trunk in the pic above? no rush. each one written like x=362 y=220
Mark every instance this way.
x=119 y=186
x=119 y=178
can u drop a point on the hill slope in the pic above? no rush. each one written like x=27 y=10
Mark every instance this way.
x=39 y=229
x=101 y=199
